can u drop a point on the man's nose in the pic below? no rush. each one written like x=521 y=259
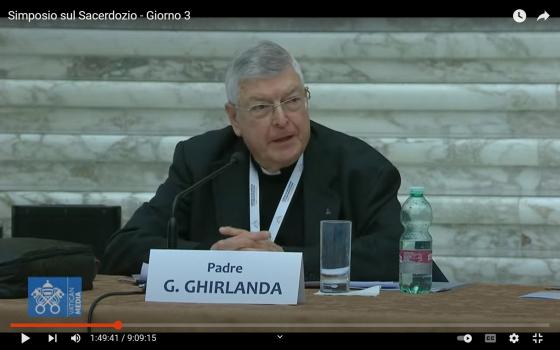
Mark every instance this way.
x=279 y=116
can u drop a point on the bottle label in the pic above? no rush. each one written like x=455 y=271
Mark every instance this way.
x=417 y=256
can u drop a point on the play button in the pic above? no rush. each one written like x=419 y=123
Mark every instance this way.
x=24 y=338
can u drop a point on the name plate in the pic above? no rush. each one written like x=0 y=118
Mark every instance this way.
x=225 y=277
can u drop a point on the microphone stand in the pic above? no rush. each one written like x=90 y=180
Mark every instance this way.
x=172 y=224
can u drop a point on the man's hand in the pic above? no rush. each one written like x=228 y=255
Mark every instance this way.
x=244 y=240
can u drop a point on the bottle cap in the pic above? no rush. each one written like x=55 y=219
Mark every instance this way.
x=417 y=190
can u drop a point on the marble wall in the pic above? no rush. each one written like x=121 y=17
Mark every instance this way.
x=470 y=109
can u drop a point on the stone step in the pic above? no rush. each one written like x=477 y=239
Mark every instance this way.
x=471 y=180
x=77 y=176
x=504 y=240
x=457 y=210
x=222 y=44
x=138 y=175
x=363 y=123
x=408 y=97
x=493 y=210
x=500 y=240
x=531 y=264
x=401 y=151
x=118 y=121
x=315 y=70
x=501 y=270
x=474 y=151
x=465 y=252
x=463 y=239
x=96 y=148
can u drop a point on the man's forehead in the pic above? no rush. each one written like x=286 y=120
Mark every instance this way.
x=267 y=87
x=256 y=94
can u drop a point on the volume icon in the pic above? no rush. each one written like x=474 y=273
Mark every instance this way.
x=76 y=338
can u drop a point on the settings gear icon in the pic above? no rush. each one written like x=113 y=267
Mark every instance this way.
x=513 y=338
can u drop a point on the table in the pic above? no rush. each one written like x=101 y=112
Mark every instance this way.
x=471 y=308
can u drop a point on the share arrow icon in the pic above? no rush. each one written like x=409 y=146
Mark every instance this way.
x=543 y=16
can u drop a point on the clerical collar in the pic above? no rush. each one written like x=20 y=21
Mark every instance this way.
x=287 y=171
x=277 y=172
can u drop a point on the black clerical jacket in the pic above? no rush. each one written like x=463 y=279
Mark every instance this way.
x=343 y=178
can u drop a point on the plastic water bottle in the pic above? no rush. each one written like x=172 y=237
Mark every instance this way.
x=415 y=258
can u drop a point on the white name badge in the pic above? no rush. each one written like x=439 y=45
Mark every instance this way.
x=225 y=277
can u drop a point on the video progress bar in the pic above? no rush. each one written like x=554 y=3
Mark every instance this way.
x=336 y=325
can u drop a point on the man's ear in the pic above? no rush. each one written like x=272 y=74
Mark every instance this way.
x=232 y=116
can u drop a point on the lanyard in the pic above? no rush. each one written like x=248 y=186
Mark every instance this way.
x=254 y=211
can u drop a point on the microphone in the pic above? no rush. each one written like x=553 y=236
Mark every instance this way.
x=237 y=157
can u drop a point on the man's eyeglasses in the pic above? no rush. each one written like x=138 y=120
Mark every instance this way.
x=292 y=104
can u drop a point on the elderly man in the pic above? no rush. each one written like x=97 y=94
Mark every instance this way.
x=302 y=172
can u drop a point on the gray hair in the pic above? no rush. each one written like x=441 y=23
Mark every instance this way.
x=266 y=59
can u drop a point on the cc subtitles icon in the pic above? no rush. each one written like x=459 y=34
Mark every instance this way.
x=519 y=16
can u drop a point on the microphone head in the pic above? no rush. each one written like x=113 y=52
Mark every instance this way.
x=237 y=157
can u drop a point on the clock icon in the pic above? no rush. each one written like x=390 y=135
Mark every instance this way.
x=519 y=16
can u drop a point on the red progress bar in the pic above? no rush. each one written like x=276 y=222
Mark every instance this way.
x=116 y=325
